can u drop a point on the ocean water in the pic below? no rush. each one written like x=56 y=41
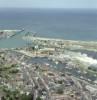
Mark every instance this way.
x=73 y=24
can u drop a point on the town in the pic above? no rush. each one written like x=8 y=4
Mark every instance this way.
x=49 y=69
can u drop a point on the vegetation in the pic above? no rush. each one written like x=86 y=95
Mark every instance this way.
x=60 y=91
x=14 y=71
x=15 y=95
x=38 y=98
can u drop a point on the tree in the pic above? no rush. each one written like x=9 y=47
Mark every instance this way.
x=60 y=91
x=38 y=98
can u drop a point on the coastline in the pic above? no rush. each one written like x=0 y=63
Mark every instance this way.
x=55 y=39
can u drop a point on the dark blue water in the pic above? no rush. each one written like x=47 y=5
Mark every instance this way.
x=67 y=24
x=71 y=24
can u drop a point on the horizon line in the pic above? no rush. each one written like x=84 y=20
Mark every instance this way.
x=41 y=8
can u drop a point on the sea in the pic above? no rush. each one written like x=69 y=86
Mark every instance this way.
x=69 y=24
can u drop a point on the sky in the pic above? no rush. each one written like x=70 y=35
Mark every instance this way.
x=49 y=3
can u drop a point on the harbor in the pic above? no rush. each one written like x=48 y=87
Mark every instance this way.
x=13 y=40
